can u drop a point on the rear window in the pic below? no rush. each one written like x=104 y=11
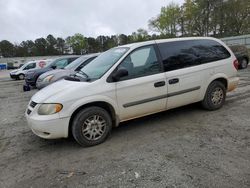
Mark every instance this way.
x=182 y=54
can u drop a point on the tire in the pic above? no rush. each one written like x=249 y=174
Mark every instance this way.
x=243 y=63
x=215 y=96
x=26 y=88
x=21 y=76
x=88 y=123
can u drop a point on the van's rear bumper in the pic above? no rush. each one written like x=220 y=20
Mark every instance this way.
x=232 y=83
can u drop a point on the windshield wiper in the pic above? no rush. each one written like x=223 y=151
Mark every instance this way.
x=83 y=73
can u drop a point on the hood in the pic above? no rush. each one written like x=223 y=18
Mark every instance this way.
x=58 y=91
x=54 y=72
x=38 y=71
x=14 y=71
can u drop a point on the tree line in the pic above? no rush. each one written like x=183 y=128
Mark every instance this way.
x=217 y=18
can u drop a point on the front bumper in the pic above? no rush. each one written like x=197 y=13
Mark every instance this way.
x=13 y=76
x=47 y=127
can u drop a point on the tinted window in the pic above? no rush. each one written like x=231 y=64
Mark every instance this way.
x=181 y=54
x=30 y=66
x=72 y=59
x=141 y=62
x=61 y=63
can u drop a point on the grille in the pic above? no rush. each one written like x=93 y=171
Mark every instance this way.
x=33 y=104
x=28 y=111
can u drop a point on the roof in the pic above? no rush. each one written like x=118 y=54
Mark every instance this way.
x=138 y=44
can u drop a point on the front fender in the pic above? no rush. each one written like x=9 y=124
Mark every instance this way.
x=69 y=108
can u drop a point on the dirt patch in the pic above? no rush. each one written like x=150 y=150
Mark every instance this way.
x=184 y=147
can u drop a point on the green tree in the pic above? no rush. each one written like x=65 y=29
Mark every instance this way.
x=51 y=45
x=167 y=22
x=7 y=49
x=40 y=47
x=78 y=43
x=122 y=39
x=60 y=45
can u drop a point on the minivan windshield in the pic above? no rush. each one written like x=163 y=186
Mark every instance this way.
x=100 y=65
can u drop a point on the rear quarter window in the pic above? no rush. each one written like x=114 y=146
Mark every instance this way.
x=187 y=53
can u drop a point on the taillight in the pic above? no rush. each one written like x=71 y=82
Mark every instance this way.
x=236 y=64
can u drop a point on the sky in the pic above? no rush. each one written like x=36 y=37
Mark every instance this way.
x=30 y=19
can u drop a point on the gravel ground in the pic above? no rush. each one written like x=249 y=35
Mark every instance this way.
x=184 y=147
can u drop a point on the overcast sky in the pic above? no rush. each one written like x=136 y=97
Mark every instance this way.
x=31 y=19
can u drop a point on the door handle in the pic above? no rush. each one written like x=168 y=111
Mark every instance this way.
x=159 y=84
x=173 y=81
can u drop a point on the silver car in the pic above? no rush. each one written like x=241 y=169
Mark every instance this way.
x=58 y=74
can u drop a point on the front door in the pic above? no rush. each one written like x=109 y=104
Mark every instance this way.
x=144 y=90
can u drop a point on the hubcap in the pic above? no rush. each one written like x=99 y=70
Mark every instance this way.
x=244 y=63
x=94 y=127
x=217 y=96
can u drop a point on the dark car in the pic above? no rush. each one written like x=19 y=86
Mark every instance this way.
x=59 y=63
x=241 y=53
x=58 y=74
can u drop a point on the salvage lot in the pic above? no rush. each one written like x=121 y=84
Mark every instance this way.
x=184 y=147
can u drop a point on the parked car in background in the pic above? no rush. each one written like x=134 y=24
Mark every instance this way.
x=58 y=74
x=11 y=67
x=58 y=63
x=19 y=74
x=22 y=65
x=132 y=81
x=241 y=53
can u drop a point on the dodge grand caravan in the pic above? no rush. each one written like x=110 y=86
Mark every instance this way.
x=132 y=81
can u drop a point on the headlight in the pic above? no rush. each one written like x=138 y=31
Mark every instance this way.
x=48 y=78
x=48 y=109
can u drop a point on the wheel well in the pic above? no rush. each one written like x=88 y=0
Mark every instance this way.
x=222 y=80
x=109 y=108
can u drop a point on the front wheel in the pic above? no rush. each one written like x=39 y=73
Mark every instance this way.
x=21 y=76
x=91 y=126
x=215 y=96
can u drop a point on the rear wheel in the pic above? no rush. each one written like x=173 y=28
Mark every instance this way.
x=215 y=96
x=244 y=63
x=91 y=126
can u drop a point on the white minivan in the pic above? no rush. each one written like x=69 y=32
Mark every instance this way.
x=19 y=74
x=132 y=81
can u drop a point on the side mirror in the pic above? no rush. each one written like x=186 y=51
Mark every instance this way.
x=53 y=67
x=121 y=72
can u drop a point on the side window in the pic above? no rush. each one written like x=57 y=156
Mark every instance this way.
x=30 y=66
x=141 y=62
x=61 y=63
x=182 y=54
